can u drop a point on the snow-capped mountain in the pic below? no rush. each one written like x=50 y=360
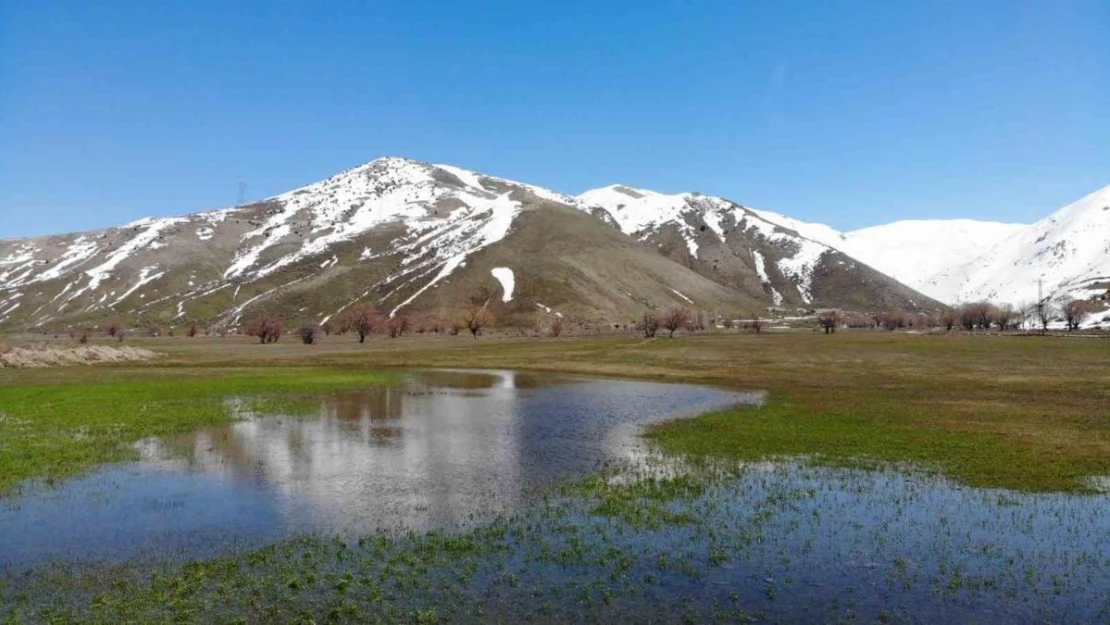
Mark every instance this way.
x=914 y=251
x=1064 y=256
x=790 y=261
x=422 y=238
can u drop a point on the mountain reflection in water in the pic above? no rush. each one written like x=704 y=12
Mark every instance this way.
x=441 y=449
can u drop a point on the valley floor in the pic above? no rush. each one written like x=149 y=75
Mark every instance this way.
x=1025 y=414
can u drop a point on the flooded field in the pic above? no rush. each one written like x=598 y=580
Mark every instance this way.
x=478 y=497
x=439 y=450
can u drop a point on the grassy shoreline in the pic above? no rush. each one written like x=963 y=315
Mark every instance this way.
x=58 y=429
x=1025 y=413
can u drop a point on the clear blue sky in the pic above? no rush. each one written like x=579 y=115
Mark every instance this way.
x=852 y=113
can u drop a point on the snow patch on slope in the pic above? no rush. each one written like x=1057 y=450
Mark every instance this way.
x=761 y=271
x=507 y=279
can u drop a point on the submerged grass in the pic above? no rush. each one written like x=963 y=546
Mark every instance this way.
x=52 y=428
x=866 y=438
x=795 y=544
x=784 y=544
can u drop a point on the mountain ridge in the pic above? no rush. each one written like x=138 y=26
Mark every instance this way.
x=419 y=237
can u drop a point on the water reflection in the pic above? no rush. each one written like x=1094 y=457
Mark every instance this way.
x=442 y=449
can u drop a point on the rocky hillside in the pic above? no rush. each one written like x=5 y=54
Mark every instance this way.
x=420 y=238
x=747 y=251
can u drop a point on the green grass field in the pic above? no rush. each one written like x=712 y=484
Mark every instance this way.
x=1027 y=413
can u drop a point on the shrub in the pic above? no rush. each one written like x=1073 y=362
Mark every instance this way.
x=398 y=325
x=192 y=331
x=307 y=334
x=115 y=326
x=266 y=329
x=828 y=321
x=556 y=327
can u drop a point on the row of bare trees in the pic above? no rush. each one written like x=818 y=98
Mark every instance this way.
x=673 y=320
x=365 y=319
x=970 y=316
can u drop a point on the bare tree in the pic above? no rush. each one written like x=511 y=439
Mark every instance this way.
x=362 y=319
x=974 y=315
x=829 y=320
x=327 y=327
x=649 y=325
x=266 y=329
x=727 y=323
x=398 y=325
x=674 y=319
x=556 y=326
x=1076 y=312
x=192 y=331
x=1043 y=312
x=1005 y=317
x=1023 y=312
x=113 y=327
x=947 y=319
x=891 y=320
x=756 y=324
x=696 y=323
x=308 y=334
x=476 y=317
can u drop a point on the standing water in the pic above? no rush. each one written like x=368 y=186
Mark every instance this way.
x=439 y=450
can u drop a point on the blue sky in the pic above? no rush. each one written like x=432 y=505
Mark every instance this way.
x=851 y=113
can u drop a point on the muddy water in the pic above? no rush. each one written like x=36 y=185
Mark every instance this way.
x=440 y=450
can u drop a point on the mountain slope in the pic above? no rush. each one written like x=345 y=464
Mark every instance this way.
x=742 y=248
x=404 y=234
x=1064 y=256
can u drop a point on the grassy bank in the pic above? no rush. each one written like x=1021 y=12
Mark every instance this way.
x=60 y=422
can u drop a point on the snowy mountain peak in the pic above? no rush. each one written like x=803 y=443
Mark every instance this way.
x=1063 y=256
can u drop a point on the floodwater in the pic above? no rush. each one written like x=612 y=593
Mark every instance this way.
x=442 y=450
x=774 y=541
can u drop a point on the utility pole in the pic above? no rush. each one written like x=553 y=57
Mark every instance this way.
x=242 y=194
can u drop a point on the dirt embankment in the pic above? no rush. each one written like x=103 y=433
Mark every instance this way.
x=36 y=357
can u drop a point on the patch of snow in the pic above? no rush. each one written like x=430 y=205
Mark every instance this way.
x=153 y=228
x=146 y=276
x=682 y=296
x=507 y=279
x=761 y=271
x=469 y=178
